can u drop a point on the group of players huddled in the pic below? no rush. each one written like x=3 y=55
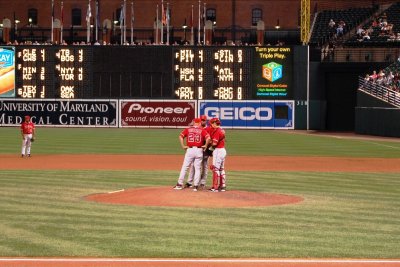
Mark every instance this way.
x=203 y=141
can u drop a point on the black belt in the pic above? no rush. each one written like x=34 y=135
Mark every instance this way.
x=195 y=146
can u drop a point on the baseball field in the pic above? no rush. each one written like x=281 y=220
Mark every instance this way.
x=103 y=197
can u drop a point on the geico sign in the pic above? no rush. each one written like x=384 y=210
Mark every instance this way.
x=245 y=113
x=152 y=110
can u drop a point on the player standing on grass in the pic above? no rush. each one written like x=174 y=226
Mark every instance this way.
x=196 y=140
x=219 y=155
x=204 y=163
x=28 y=135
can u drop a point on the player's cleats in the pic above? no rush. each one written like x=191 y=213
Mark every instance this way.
x=213 y=190
x=178 y=187
x=188 y=185
x=222 y=189
x=202 y=187
x=195 y=188
x=22 y=155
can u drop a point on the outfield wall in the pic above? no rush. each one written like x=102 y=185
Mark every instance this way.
x=324 y=94
x=146 y=113
x=378 y=121
x=248 y=76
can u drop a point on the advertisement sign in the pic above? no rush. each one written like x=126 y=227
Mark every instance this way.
x=7 y=72
x=250 y=114
x=157 y=114
x=61 y=113
x=272 y=72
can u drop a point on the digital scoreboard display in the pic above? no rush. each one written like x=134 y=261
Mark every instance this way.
x=170 y=72
x=189 y=73
x=33 y=73
x=211 y=73
x=53 y=72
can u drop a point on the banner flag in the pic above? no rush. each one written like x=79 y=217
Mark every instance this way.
x=88 y=13
x=88 y=16
x=52 y=20
x=62 y=22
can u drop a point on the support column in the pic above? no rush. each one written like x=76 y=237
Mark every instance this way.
x=57 y=31
x=107 y=31
x=157 y=32
x=6 y=30
x=260 y=32
x=209 y=28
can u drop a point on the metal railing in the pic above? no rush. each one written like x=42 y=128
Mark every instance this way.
x=219 y=35
x=389 y=54
x=379 y=91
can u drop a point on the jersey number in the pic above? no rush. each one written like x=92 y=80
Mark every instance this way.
x=194 y=138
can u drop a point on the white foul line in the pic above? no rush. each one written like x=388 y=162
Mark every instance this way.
x=201 y=260
x=112 y=192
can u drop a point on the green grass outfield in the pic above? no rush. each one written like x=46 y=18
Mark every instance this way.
x=344 y=215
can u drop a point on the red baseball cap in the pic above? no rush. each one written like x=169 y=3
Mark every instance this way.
x=197 y=120
x=215 y=120
x=27 y=117
x=203 y=117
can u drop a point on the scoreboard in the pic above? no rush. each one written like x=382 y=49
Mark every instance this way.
x=53 y=72
x=167 y=72
x=32 y=73
x=211 y=73
x=71 y=72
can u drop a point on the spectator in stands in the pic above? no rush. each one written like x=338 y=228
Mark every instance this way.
x=375 y=22
x=367 y=79
x=396 y=81
x=383 y=18
x=373 y=76
x=386 y=29
x=366 y=36
x=340 y=28
x=331 y=27
x=381 y=74
x=360 y=32
x=389 y=79
x=331 y=24
x=380 y=80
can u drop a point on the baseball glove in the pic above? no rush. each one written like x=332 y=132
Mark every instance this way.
x=32 y=139
x=209 y=151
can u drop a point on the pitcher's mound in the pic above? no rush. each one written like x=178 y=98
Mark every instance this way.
x=168 y=197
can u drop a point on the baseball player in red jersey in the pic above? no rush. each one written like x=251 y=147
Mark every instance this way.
x=28 y=134
x=204 y=163
x=219 y=155
x=196 y=140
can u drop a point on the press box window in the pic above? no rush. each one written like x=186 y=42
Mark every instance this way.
x=76 y=17
x=211 y=14
x=256 y=15
x=33 y=16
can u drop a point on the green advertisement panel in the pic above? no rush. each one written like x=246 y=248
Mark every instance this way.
x=272 y=72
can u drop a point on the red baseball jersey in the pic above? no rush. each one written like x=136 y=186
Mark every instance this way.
x=27 y=127
x=195 y=136
x=218 y=137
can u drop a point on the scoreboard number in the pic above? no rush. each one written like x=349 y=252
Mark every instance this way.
x=211 y=73
x=31 y=73
x=53 y=72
